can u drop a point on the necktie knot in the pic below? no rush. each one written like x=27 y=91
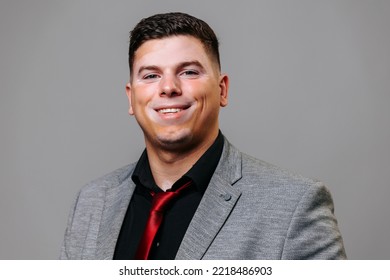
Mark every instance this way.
x=162 y=201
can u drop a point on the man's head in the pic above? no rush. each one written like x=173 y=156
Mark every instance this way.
x=172 y=24
x=176 y=87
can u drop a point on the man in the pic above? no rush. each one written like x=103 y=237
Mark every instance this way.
x=222 y=204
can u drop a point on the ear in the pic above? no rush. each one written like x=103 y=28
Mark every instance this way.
x=128 y=93
x=224 y=89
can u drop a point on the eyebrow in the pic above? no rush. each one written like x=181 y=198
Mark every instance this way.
x=190 y=63
x=180 y=65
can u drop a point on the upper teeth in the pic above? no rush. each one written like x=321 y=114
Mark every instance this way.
x=169 y=110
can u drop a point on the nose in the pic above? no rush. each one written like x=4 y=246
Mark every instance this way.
x=170 y=86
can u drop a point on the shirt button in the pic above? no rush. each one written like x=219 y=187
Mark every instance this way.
x=157 y=244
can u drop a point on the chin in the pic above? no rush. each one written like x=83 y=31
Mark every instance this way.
x=175 y=139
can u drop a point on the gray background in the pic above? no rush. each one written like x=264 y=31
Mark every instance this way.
x=309 y=91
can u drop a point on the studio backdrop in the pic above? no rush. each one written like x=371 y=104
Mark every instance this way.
x=310 y=92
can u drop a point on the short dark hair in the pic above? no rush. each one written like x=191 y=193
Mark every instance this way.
x=173 y=24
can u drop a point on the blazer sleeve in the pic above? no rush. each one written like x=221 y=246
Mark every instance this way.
x=313 y=232
x=64 y=254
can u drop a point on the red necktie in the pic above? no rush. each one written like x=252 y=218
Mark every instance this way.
x=161 y=201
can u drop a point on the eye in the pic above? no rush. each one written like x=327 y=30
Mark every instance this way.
x=150 y=76
x=189 y=73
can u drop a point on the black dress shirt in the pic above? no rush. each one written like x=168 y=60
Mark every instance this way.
x=177 y=218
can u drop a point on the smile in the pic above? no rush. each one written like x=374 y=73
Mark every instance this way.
x=172 y=114
x=169 y=110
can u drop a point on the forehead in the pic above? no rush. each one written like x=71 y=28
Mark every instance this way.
x=170 y=51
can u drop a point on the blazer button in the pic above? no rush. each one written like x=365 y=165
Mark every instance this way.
x=226 y=196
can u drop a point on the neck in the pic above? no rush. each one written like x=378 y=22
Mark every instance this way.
x=169 y=166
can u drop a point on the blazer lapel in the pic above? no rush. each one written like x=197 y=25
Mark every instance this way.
x=115 y=206
x=217 y=203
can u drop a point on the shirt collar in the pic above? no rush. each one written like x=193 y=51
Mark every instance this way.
x=200 y=173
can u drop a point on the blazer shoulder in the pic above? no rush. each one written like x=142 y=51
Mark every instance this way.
x=272 y=176
x=254 y=175
x=109 y=180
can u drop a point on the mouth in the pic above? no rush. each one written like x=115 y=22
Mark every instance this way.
x=172 y=110
x=173 y=114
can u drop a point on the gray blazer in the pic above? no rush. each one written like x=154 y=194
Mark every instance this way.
x=250 y=210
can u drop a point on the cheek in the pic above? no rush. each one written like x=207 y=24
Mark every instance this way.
x=200 y=89
x=191 y=87
x=141 y=95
